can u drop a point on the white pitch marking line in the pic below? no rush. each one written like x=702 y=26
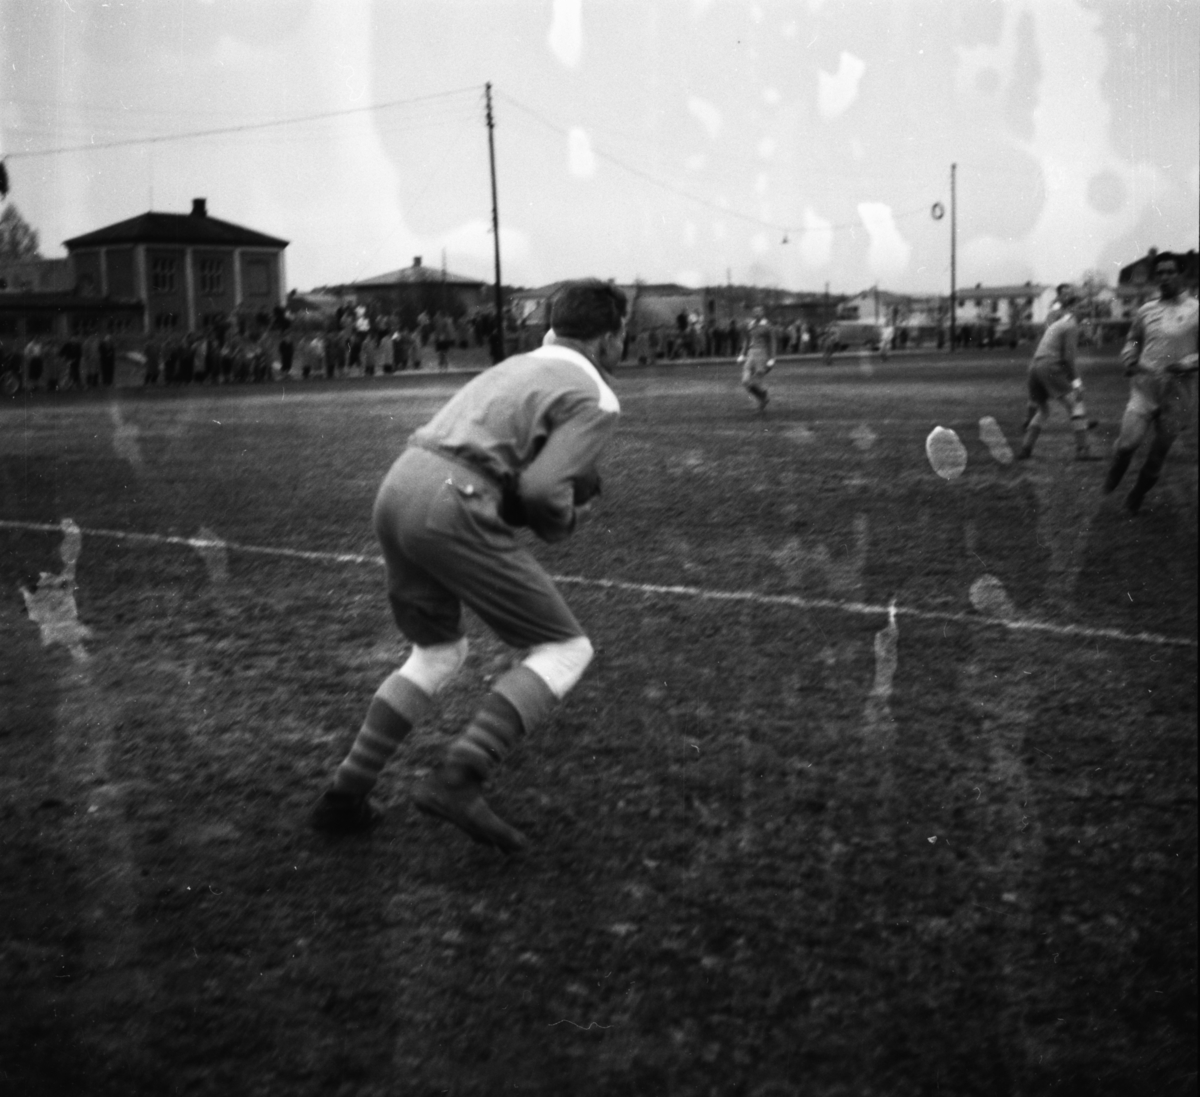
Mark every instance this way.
x=789 y=601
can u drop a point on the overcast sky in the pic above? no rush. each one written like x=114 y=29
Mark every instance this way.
x=791 y=144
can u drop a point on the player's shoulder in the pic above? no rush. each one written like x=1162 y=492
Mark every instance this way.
x=563 y=371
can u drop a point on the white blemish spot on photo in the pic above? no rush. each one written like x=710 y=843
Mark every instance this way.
x=989 y=597
x=863 y=437
x=51 y=604
x=993 y=437
x=947 y=455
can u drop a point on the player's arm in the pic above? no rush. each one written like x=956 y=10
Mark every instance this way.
x=548 y=485
x=1131 y=352
x=1190 y=362
x=1070 y=353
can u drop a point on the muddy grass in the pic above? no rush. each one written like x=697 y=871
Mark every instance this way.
x=778 y=847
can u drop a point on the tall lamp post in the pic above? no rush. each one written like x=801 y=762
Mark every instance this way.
x=953 y=256
x=938 y=211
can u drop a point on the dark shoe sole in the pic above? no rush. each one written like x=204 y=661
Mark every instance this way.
x=467 y=810
x=340 y=814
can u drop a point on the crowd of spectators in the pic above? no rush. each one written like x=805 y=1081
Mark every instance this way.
x=694 y=337
x=348 y=344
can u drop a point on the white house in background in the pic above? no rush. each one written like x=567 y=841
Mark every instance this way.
x=876 y=306
x=1136 y=286
x=1003 y=307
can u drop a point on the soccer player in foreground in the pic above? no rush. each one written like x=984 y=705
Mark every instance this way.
x=1160 y=358
x=516 y=446
x=758 y=356
x=1052 y=374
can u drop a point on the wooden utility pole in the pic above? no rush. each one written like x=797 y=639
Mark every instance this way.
x=499 y=350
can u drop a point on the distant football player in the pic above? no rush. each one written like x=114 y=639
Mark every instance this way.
x=1053 y=375
x=886 y=338
x=758 y=356
x=515 y=447
x=1160 y=358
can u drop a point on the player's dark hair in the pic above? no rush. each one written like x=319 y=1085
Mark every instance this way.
x=587 y=308
x=1165 y=257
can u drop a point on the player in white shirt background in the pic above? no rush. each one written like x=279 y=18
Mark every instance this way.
x=1160 y=358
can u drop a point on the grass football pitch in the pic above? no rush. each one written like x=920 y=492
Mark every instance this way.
x=880 y=782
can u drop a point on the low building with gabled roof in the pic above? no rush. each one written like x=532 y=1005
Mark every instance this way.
x=409 y=291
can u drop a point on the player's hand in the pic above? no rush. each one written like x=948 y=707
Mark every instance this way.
x=586 y=487
x=1077 y=385
x=770 y=363
x=741 y=359
x=512 y=508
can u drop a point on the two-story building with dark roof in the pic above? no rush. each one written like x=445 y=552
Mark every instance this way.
x=187 y=270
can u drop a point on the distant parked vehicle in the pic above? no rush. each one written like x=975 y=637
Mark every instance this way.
x=856 y=335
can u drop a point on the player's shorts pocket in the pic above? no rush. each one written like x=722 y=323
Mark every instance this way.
x=464 y=510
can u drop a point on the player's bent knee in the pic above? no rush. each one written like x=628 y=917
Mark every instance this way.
x=561 y=664
x=430 y=668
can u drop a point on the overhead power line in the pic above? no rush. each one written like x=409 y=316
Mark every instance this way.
x=192 y=135
x=776 y=226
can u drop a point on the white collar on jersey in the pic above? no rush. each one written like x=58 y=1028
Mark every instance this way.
x=608 y=398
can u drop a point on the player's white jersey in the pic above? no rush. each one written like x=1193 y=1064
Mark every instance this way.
x=1164 y=333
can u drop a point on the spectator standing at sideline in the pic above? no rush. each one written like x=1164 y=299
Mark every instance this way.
x=400 y=349
x=91 y=361
x=72 y=354
x=516 y=446
x=108 y=361
x=886 y=339
x=35 y=361
x=287 y=351
x=227 y=362
x=443 y=339
x=1160 y=357
x=329 y=348
x=153 y=355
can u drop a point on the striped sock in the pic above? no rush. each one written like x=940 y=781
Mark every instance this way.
x=397 y=705
x=489 y=737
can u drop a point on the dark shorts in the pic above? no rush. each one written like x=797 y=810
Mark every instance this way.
x=1048 y=381
x=446 y=547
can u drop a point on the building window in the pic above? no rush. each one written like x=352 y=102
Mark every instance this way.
x=212 y=277
x=166 y=321
x=162 y=272
x=258 y=282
